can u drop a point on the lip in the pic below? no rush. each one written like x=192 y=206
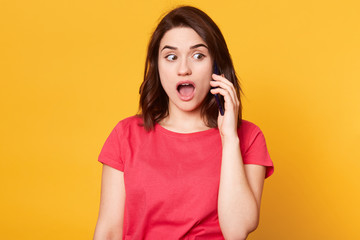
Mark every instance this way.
x=186 y=98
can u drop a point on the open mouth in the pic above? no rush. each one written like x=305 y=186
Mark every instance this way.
x=186 y=90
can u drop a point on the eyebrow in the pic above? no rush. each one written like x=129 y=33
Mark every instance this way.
x=198 y=45
x=192 y=47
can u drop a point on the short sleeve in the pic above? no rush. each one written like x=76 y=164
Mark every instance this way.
x=256 y=151
x=111 y=151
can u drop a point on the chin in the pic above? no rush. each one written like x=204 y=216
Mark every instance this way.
x=192 y=108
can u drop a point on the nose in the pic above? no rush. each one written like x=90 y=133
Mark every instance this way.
x=184 y=68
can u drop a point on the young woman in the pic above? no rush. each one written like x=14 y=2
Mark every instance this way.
x=180 y=169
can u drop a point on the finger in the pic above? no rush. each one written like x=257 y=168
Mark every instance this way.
x=218 y=78
x=229 y=104
x=222 y=79
x=228 y=88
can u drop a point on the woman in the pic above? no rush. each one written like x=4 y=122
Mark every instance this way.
x=187 y=171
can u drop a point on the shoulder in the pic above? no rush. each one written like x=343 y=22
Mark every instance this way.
x=248 y=129
x=253 y=146
x=129 y=122
x=249 y=133
x=130 y=127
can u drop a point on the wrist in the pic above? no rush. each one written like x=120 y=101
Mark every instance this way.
x=230 y=139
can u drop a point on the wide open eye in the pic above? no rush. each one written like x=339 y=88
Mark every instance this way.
x=199 y=56
x=171 y=57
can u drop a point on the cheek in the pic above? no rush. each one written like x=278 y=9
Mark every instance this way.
x=205 y=68
x=164 y=69
x=206 y=77
x=164 y=75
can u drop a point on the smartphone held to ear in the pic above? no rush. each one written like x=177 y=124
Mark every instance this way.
x=218 y=97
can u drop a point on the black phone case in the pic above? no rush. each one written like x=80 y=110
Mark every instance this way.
x=219 y=98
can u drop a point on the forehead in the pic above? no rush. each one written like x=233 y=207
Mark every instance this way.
x=181 y=37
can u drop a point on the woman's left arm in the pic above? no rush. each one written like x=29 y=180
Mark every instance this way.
x=241 y=185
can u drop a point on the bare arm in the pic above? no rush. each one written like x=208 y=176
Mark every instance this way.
x=240 y=193
x=112 y=203
x=241 y=185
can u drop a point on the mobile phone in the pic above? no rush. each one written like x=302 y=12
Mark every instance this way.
x=218 y=97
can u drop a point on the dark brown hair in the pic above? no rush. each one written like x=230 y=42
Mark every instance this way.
x=153 y=106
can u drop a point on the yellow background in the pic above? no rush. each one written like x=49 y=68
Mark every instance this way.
x=71 y=69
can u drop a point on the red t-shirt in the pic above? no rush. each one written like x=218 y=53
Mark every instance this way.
x=172 y=179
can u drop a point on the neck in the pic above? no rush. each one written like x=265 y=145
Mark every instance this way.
x=184 y=122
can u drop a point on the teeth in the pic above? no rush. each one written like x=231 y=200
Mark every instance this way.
x=185 y=84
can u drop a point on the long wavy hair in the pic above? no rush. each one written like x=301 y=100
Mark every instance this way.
x=153 y=105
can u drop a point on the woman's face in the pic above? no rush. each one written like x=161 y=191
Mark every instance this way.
x=185 y=68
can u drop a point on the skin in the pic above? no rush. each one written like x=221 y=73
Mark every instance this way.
x=183 y=55
x=240 y=186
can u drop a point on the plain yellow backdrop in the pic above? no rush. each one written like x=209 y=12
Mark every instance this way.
x=71 y=69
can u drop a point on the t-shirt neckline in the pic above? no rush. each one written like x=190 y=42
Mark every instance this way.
x=203 y=133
